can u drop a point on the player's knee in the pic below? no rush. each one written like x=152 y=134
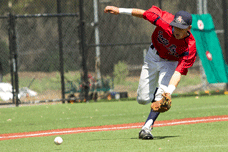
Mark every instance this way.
x=143 y=101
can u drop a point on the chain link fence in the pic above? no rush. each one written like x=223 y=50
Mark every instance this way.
x=122 y=41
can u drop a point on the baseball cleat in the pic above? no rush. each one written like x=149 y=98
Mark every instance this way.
x=145 y=134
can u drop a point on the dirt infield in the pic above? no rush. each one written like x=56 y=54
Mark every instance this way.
x=185 y=121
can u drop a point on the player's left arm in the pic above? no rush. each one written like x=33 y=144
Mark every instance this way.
x=184 y=63
x=174 y=81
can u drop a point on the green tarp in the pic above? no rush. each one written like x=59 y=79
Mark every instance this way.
x=208 y=48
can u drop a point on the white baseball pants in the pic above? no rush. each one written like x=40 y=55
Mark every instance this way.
x=156 y=73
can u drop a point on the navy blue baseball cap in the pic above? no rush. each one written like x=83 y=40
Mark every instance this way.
x=182 y=20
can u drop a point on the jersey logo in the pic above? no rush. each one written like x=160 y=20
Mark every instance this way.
x=171 y=49
x=161 y=39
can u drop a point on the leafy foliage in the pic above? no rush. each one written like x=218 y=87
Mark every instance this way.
x=120 y=72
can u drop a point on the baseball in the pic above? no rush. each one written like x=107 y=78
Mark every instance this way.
x=58 y=140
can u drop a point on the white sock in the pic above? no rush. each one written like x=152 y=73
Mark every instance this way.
x=148 y=124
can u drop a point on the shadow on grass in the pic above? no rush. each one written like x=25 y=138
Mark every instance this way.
x=164 y=137
x=155 y=138
x=159 y=137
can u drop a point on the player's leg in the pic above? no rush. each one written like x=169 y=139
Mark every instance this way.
x=151 y=119
x=167 y=69
x=147 y=85
x=148 y=79
x=147 y=97
x=146 y=91
x=145 y=132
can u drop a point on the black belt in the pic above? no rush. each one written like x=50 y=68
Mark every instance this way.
x=152 y=46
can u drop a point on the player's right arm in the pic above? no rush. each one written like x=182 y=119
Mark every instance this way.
x=154 y=15
x=130 y=11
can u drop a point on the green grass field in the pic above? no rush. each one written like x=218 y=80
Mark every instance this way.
x=195 y=137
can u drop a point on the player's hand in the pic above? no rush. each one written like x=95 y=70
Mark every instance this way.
x=162 y=105
x=111 y=9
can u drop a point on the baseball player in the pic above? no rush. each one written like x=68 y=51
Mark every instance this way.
x=171 y=53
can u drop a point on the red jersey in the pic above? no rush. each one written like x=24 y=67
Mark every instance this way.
x=168 y=47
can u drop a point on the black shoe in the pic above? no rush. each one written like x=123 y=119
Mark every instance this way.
x=145 y=134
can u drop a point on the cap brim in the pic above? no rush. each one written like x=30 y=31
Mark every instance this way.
x=181 y=26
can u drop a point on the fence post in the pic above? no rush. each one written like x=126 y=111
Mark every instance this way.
x=61 y=60
x=97 y=41
x=85 y=83
x=13 y=59
x=201 y=9
x=160 y=4
x=11 y=54
x=225 y=24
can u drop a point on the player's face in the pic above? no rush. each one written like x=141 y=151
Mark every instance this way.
x=180 y=33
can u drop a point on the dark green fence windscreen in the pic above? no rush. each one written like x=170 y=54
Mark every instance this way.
x=209 y=49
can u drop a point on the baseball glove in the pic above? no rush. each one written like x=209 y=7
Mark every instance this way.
x=162 y=105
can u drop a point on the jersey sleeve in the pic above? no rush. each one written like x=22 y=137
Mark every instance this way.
x=158 y=17
x=186 y=62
